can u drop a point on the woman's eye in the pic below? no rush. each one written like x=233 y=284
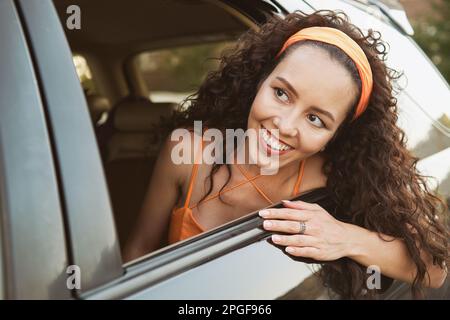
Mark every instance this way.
x=316 y=121
x=281 y=94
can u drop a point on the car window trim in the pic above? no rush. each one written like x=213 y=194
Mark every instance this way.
x=183 y=256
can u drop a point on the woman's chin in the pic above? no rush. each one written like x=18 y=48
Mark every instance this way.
x=269 y=165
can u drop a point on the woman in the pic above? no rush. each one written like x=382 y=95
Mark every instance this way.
x=324 y=86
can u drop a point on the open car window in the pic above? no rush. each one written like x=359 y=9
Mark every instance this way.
x=172 y=74
x=152 y=86
x=142 y=70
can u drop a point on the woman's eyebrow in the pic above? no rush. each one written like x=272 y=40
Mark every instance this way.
x=317 y=109
x=288 y=85
x=325 y=113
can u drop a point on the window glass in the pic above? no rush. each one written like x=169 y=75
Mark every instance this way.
x=425 y=134
x=428 y=139
x=432 y=95
x=170 y=75
x=84 y=74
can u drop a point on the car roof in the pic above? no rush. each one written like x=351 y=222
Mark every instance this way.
x=141 y=23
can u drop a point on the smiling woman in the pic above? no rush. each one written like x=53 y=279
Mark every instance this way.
x=305 y=117
x=318 y=93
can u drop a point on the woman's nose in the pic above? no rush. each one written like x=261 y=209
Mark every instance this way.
x=286 y=126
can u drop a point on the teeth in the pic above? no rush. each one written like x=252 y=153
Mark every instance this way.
x=274 y=143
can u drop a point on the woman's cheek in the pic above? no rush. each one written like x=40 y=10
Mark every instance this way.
x=261 y=109
x=312 y=140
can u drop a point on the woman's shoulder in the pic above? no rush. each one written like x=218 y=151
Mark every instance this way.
x=183 y=149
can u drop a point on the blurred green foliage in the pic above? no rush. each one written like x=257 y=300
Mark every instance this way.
x=432 y=33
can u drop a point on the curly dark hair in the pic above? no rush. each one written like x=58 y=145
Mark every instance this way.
x=382 y=190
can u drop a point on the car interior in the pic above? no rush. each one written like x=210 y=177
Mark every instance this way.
x=127 y=97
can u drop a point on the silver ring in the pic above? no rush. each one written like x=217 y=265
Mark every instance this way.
x=302 y=227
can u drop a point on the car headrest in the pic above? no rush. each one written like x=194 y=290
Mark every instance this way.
x=139 y=114
x=97 y=106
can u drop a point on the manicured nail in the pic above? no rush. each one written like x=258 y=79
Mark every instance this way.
x=264 y=213
x=267 y=224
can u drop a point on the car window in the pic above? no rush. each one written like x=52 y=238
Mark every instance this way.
x=426 y=135
x=84 y=74
x=429 y=140
x=169 y=61
x=126 y=143
x=432 y=97
x=170 y=75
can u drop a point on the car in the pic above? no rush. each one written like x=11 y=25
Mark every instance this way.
x=81 y=84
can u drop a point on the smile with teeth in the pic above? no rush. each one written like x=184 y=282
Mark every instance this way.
x=273 y=143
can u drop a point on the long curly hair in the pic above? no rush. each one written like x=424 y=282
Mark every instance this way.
x=372 y=177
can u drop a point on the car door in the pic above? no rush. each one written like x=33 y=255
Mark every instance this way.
x=93 y=244
x=234 y=261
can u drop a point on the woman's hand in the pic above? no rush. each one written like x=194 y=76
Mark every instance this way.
x=324 y=239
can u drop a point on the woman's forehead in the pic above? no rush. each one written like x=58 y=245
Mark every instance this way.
x=309 y=65
x=315 y=76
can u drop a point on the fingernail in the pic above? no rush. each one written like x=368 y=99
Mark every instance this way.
x=287 y=201
x=289 y=249
x=264 y=213
x=276 y=238
x=267 y=224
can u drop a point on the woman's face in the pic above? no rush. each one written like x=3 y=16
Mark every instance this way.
x=306 y=97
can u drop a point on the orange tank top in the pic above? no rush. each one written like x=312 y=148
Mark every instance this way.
x=183 y=224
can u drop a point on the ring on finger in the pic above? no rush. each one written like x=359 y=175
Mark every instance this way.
x=302 y=227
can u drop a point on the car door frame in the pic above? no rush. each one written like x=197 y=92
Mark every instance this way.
x=92 y=241
x=33 y=256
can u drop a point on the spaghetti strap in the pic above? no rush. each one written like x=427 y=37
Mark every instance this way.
x=299 y=177
x=225 y=190
x=193 y=175
x=254 y=184
x=211 y=197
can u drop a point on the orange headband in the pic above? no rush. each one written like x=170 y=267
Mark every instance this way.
x=350 y=47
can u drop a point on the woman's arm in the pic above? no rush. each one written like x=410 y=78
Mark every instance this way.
x=367 y=248
x=327 y=239
x=161 y=196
